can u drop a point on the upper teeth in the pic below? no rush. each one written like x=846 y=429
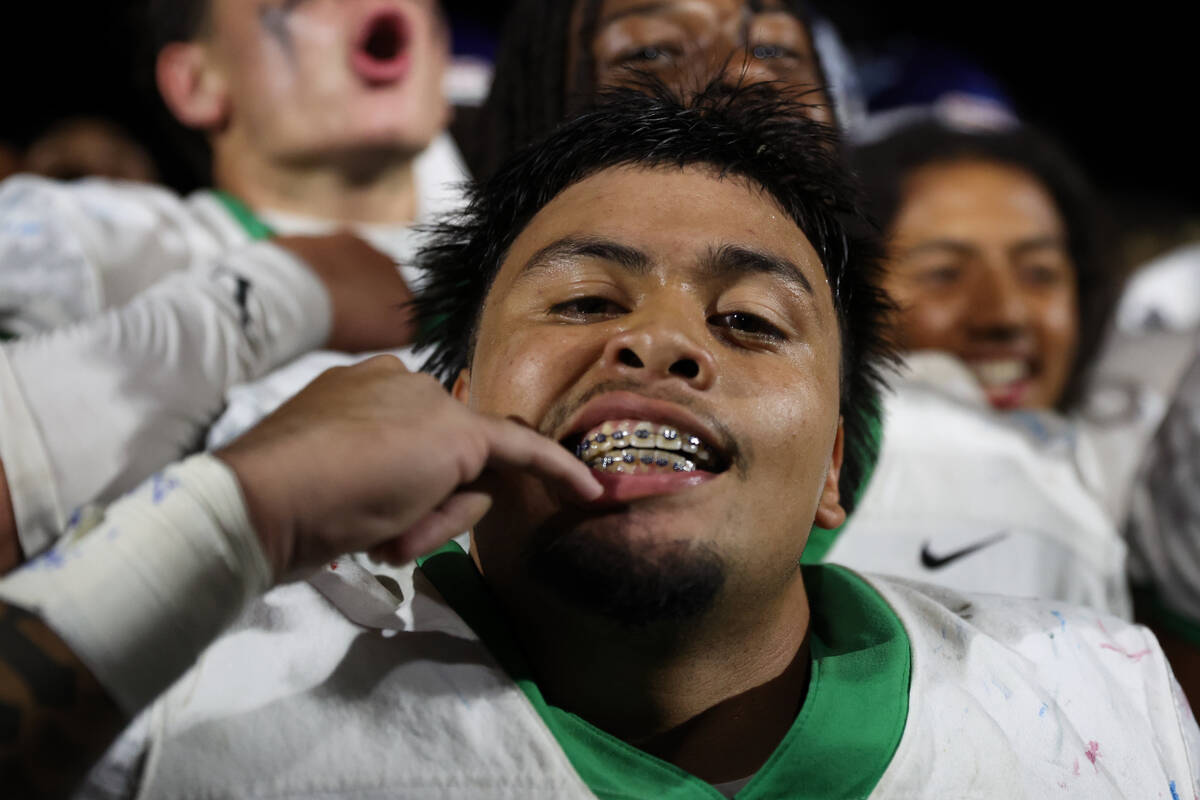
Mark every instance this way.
x=1000 y=371
x=626 y=436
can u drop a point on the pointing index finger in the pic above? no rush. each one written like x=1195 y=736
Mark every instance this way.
x=513 y=446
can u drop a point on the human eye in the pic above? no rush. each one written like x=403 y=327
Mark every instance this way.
x=767 y=51
x=586 y=309
x=746 y=325
x=943 y=275
x=648 y=54
x=1044 y=274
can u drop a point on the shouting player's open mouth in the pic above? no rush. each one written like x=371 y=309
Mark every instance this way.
x=379 y=55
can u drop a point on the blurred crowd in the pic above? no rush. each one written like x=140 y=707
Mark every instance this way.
x=1036 y=436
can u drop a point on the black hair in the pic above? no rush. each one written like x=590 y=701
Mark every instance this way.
x=884 y=167
x=164 y=22
x=758 y=133
x=530 y=93
x=170 y=21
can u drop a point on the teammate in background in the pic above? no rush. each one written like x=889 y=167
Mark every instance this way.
x=554 y=56
x=984 y=482
x=138 y=310
x=10 y=160
x=85 y=147
x=691 y=312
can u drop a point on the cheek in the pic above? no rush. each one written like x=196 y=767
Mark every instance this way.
x=1058 y=321
x=794 y=430
x=522 y=374
x=924 y=323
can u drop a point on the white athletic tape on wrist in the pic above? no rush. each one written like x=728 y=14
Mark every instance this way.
x=139 y=596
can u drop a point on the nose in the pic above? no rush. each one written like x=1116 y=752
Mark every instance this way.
x=998 y=302
x=660 y=349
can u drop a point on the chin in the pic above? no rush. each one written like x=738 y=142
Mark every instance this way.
x=612 y=568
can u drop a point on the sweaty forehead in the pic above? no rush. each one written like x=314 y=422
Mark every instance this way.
x=673 y=215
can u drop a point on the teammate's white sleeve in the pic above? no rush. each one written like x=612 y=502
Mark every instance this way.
x=70 y=250
x=92 y=409
x=1164 y=521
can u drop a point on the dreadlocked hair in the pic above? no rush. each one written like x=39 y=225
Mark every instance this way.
x=532 y=91
x=756 y=133
x=884 y=167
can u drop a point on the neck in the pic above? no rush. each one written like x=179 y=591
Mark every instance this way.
x=372 y=188
x=681 y=695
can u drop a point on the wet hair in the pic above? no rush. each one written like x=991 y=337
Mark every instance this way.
x=530 y=94
x=884 y=167
x=758 y=133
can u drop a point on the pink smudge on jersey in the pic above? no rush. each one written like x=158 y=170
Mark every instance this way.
x=1093 y=752
x=1138 y=656
x=1116 y=648
x=1076 y=770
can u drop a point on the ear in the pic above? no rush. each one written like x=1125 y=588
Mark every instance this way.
x=462 y=387
x=191 y=86
x=830 y=514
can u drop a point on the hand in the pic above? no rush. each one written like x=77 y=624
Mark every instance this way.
x=370 y=299
x=373 y=457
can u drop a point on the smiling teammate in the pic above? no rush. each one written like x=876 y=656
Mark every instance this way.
x=636 y=629
x=138 y=310
x=985 y=482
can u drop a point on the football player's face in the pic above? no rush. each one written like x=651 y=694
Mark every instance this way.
x=979 y=268
x=312 y=78
x=688 y=42
x=676 y=330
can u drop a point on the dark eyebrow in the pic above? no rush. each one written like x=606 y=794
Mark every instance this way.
x=732 y=259
x=642 y=8
x=570 y=248
x=1048 y=242
x=953 y=245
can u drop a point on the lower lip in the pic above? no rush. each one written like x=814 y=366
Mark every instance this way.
x=620 y=488
x=1009 y=396
x=374 y=71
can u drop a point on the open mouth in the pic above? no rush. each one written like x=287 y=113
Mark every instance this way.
x=1006 y=381
x=640 y=447
x=380 y=52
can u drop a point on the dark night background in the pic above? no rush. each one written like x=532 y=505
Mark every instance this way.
x=1115 y=88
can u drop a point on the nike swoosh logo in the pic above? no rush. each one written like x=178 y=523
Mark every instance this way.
x=931 y=561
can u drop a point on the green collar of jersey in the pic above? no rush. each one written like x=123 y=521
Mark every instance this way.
x=843 y=738
x=254 y=227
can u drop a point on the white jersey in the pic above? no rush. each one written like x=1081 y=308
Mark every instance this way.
x=1163 y=295
x=917 y=693
x=975 y=500
x=152 y=313
x=1164 y=523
